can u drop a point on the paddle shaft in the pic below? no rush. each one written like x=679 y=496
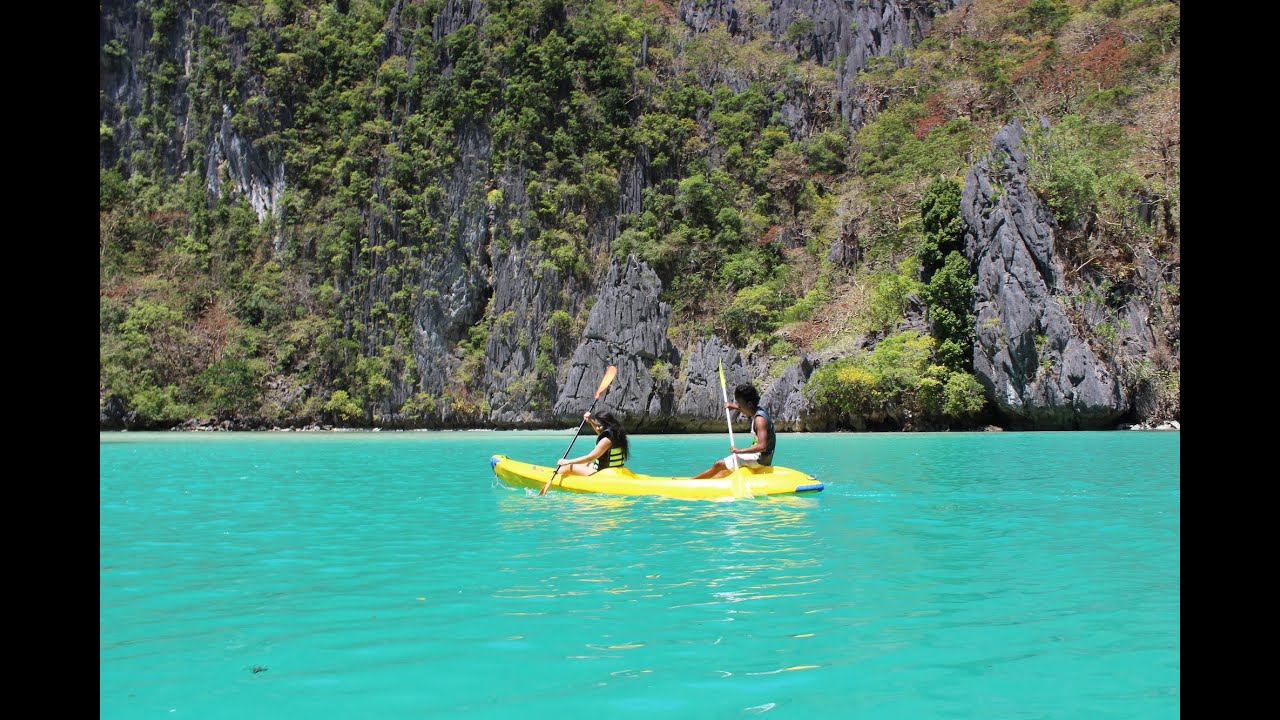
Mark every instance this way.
x=728 y=417
x=566 y=452
x=609 y=374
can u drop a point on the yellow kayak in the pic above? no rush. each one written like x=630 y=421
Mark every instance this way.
x=741 y=483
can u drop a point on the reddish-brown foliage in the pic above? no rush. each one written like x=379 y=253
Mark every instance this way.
x=935 y=107
x=663 y=8
x=209 y=334
x=1102 y=64
x=928 y=123
x=166 y=218
x=1032 y=68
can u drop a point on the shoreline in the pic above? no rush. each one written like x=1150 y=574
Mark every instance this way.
x=1166 y=426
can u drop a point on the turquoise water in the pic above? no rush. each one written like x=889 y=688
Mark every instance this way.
x=389 y=575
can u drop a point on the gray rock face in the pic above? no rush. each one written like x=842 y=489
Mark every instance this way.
x=844 y=33
x=122 y=78
x=526 y=351
x=233 y=166
x=113 y=415
x=1035 y=363
x=700 y=407
x=702 y=16
x=785 y=399
x=701 y=404
x=454 y=15
x=252 y=174
x=122 y=84
x=457 y=279
x=627 y=327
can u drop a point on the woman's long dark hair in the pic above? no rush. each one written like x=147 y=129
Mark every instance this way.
x=616 y=431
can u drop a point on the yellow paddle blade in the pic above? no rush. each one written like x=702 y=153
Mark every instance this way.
x=723 y=386
x=609 y=374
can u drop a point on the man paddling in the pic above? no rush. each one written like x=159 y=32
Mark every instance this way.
x=760 y=453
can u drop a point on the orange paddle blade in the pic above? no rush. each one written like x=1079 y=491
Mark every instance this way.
x=609 y=374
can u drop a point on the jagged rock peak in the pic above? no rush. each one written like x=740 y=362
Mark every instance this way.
x=1037 y=366
x=627 y=327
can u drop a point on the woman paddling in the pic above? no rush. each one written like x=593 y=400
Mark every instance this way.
x=610 y=449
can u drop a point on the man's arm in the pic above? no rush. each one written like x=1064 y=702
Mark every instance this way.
x=761 y=429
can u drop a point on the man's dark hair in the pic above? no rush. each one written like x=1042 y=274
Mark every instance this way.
x=747 y=393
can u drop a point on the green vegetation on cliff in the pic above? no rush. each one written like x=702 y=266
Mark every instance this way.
x=364 y=120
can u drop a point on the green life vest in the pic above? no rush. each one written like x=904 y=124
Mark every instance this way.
x=613 y=458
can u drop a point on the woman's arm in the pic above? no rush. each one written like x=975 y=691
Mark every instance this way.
x=600 y=449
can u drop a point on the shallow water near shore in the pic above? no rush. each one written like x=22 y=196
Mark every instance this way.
x=390 y=575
